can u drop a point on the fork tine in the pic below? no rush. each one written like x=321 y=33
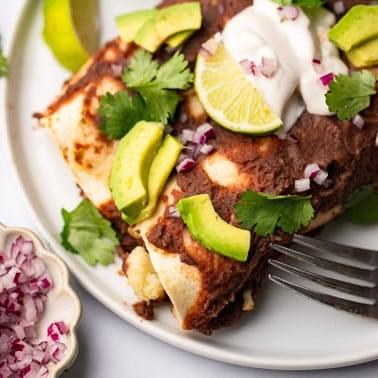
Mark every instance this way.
x=370 y=310
x=360 y=289
x=354 y=272
x=360 y=255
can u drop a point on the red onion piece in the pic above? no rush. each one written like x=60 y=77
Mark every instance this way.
x=302 y=185
x=311 y=171
x=288 y=13
x=186 y=136
x=317 y=64
x=185 y=165
x=358 y=121
x=203 y=133
x=172 y=212
x=321 y=177
x=339 y=7
x=208 y=48
x=327 y=79
x=24 y=283
x=247 y=66
x=269 y=66
x=207 y=149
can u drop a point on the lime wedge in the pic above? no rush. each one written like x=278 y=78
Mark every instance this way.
x=71 y=30
x=230 y=98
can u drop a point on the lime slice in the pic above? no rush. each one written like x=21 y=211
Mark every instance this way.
x=71 y=30
x=230 y=98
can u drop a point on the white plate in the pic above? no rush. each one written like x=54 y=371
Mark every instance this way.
x=285 y=331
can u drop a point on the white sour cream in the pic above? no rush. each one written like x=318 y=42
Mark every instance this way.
x=258 y=32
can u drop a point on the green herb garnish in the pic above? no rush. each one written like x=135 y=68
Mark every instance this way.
x=362 y=206
x=156 y=96
x=349 y=94
x=264 y=212
x=302 y=3
x=3 y=63
x=88 y=234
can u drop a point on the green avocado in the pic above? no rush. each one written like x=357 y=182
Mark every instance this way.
x=128 y=24
x=167 y=22
x=179 y=38
x=210 y=230
x=161 y=168
x=357 y=26
x=132 y=162
x=364 y=55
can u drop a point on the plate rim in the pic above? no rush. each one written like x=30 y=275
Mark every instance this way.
x=189 y=345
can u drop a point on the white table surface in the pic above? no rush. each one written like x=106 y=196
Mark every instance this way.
x=109 y=347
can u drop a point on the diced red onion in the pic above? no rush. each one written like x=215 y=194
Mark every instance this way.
x=339 y=7
x=302 y=185
x=203 y=133
x=317 y=64
x=207 y=149
x=321 y=177
x=172 y=212
x=358 y=121
x=185 y=165
x=288 y=13
x=117 y=69
x=208 y=48
x=24 y=283
x=186 y=136
x=315 y=173
x=247 y=66
x=268 y=66
x=327 y=79
x=311 y=171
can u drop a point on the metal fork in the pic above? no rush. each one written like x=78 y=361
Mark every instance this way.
x=343 y=277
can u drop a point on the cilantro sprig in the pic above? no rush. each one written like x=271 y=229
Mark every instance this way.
x=3 y=63
x=362 y=206
x=155 y=97
x=88 y=234
x=302 y=3
x=349 y=94
x=264 y=212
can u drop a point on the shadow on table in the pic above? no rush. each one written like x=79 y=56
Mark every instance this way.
x=79 y=370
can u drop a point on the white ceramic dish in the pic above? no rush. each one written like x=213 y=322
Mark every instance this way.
x=62 y=303
x=285 y=331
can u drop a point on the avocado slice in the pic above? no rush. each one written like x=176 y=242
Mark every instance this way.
x=365 y=55
x=179 y=38
x=132 y=162
x=357 y=26
x=161 y=168
x=210 y=230
x=128 y=24
x=167 y=22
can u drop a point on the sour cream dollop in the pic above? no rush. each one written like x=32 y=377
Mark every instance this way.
x=258 y=32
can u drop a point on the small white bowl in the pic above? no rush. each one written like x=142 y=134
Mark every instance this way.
x=62 y=302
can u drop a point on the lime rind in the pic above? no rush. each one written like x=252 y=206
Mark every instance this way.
x=216 y=79
x=70 y=43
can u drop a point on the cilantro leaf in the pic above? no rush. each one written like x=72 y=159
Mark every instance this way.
x=302 y=3
x=120 y=112
x=143 y=73
x=88 y=234
x=3 y=63
x=362 y=206
x=264 y=212
x=349 y=94
x=156 y=97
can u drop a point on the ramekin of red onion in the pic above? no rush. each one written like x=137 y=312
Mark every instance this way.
x=39 y=312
